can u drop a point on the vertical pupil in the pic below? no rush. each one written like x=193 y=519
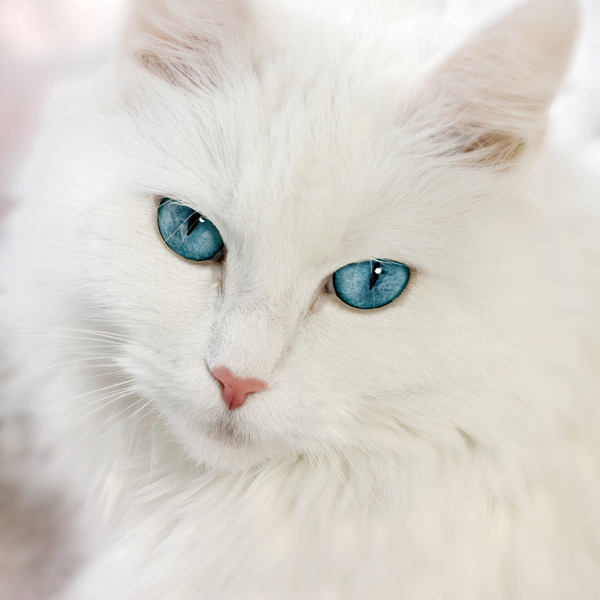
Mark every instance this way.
x=193 y=222
x=376 y=271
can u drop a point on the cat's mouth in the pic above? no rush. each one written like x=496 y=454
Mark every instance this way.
x=226 y=430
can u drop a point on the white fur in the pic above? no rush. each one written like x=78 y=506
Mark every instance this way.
x=444 y=446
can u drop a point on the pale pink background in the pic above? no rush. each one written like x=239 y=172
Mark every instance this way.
x=42 y=41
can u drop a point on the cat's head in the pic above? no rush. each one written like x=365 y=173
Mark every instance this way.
x=311 y=144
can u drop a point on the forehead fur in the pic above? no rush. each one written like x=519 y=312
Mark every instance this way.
x=318 y=148
x=333 y=141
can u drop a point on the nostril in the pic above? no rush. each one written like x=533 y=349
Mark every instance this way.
x=234 y=390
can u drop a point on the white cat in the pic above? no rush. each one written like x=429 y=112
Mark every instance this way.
x=366 y=362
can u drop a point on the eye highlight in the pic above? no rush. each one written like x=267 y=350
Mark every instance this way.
x=187 y=232
x=370 y=283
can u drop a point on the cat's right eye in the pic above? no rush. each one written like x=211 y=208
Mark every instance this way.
x=187 y=232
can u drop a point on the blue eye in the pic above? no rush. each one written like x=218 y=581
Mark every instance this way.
x=187 y=232
x=371 y=283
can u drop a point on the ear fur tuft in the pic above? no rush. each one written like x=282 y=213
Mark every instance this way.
x=495 y=91
x=183 y=41
x=496 y=149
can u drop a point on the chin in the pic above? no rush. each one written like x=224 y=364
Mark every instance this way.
x=223 y=455
x=223 y=446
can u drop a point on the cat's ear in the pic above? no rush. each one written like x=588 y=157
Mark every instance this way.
x=495 y=91
x=185 y=41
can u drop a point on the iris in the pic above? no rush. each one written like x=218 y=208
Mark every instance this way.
x=370 y=283
x=187 y=232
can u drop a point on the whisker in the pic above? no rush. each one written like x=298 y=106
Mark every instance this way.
x=74 y=361
x=99 y=438
x=348 y=489
x=18 y=329
x=370 y=489
x=90 y=392
x=101 y=342
x=96 y=375
x=122 y=394
x=319 y=463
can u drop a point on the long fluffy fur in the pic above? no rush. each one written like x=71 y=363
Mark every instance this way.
x=441 y=447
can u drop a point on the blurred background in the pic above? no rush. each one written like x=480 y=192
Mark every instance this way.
x=43 y=42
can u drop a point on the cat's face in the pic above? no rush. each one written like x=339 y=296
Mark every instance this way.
x=302 y=172
x=292 y=207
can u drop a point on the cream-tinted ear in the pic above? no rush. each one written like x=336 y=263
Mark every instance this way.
x=495 y=91
x=184 y=41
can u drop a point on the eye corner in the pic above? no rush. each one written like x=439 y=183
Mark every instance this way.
x=329 y=286
x=219 y=257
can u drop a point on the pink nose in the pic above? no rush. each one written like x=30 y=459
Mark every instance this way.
x=235 y=390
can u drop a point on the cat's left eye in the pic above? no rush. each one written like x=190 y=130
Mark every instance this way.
x=187 y=232
x=370 y=283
